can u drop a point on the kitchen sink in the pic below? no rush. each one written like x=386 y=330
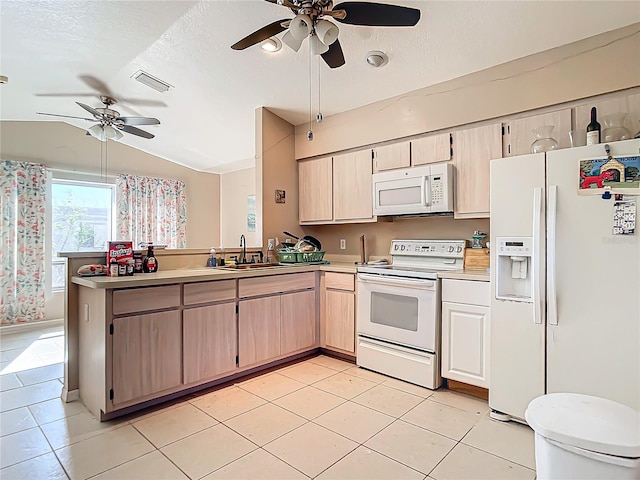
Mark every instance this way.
x=248 y=266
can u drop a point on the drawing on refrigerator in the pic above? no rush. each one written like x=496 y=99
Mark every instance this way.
x=552 y=328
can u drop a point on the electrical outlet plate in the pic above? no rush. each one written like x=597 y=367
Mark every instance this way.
x=343 y=244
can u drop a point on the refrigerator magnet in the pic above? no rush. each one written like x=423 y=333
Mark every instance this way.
x=620 y=174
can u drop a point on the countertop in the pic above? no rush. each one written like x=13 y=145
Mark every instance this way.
x=163 y=277
x=478 y=275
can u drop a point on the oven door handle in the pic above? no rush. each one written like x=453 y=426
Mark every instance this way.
x=397 y=282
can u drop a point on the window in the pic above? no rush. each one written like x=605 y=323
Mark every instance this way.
x=81 y=219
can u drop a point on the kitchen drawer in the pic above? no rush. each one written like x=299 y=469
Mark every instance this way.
x=204 y=292
x=339 y=281
x=146 y=298
x=253 y=287
x=466 y=291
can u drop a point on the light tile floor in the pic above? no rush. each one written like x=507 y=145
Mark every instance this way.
x=320 y=418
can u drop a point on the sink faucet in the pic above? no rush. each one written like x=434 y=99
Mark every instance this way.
x=243 y=244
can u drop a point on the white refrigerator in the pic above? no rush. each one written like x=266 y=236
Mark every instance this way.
x=565 y=307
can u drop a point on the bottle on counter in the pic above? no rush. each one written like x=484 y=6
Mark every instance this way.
x=593 y=129
x=113 y=268
x=137 y=262
x=150 y=263
x=212 y=261
x=220 y=257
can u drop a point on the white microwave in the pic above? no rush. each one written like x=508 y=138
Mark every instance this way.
x=420 y=190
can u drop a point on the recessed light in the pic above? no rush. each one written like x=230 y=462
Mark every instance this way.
x=377 y=59
x=4 y=79
x=271 y=45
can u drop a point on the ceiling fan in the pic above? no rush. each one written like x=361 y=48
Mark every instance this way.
x=323 y=34
x=110 y=122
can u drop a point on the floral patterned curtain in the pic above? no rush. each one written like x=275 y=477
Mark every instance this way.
x=151 y=210
x=22 y=255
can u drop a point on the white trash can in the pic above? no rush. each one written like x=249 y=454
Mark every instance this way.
x=583 y=437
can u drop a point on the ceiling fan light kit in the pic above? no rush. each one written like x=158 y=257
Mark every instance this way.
x=317 y=46
x=300 y=27
x=271 y=45
x=326 y=32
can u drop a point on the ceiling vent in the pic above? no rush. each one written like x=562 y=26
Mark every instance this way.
x=151 y=81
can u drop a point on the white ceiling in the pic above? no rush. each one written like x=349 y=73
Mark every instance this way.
x=207 y=121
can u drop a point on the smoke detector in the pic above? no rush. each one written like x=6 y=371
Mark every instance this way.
x=377 y=59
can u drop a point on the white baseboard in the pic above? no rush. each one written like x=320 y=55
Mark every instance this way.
x=70 y=395
x=28 y=327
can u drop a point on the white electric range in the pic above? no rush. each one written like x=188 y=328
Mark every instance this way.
x=398 y=312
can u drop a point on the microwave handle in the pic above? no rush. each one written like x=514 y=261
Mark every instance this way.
x=426 y=191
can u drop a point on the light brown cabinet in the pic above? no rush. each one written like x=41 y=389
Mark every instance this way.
x=518 y=133
x=258 y=330
x=298 y=324
x=431 y=149
x=394 y=155
x=336 y=189
x=473 y=150
x=315 y=179
x=337 y=325
x=209 y=341
x=280 y=321
x=147 y=354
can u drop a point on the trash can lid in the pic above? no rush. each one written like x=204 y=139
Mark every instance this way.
x=586 y=422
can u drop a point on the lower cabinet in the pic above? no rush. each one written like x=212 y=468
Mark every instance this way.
x=147 y=354
x=465 y=331
x=209 y=341
x=280 y=321
x=259 y=330
x=337 y=324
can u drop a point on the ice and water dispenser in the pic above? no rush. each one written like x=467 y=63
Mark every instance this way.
x=514 y=270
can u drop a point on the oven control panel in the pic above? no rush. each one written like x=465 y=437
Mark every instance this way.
x=428 y=248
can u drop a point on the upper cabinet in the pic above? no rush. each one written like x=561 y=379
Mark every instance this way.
x=627 y=104
x=395 y=155
x=315 y=179
x=336 y=189
x=431 y=149
x=519 y=132
x=473 y=150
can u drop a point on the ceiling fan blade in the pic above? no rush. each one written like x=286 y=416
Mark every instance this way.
x=91 y=110
x=135 y=131
x=139 y=120
x=97 y=84
x=334 y=56
x=66 y=116
x=260 y=35
x=377 y=14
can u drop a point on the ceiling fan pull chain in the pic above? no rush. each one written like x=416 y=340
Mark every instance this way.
x=310 y=132
x=319 y=115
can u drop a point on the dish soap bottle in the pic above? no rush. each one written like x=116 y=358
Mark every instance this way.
x=150 y=263
x=212 y=262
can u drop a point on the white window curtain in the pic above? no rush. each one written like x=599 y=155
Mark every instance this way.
x=22 y=232
x=151 y=210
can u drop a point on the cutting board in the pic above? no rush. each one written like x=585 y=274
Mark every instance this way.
x=476 y=258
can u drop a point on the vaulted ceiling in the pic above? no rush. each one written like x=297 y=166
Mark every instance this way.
x=58 y=52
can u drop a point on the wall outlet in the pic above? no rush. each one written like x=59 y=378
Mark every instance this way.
x=343 y=244
x=271 y=244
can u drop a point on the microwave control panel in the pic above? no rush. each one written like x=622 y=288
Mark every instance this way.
x=437 y=190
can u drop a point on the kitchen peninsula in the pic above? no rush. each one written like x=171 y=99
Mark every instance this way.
x=206 y=326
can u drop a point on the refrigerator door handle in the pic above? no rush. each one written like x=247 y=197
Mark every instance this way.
x=537 y=261
x=552 y=306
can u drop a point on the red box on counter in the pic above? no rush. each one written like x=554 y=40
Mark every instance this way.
x=120 y=251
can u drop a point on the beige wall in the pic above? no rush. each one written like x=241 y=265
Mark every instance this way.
x=62 y=146
x=235 y=187
x=596 y=65
x=276 y=165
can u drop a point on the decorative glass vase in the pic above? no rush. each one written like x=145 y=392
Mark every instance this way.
x=614 y=129
x=544 y=141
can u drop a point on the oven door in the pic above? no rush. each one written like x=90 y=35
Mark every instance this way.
x=401 y=310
